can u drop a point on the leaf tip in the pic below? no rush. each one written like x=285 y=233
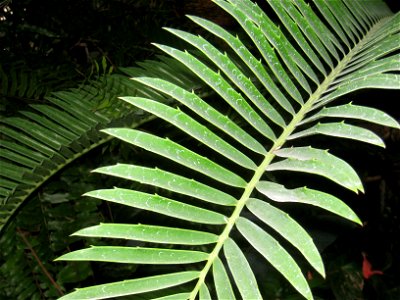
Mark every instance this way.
x=358 y=221
x=109 y=131
x=61 y=258
x=90 y=194
x=157 y=45
x=361 y=189
x=97 y=170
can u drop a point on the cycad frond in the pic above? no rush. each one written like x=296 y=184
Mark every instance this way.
x=18 y=81
x=316 y=54
x=41 y=141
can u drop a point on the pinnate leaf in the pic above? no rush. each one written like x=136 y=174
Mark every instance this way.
x=159 y=204
x=149 y=233
x=341 y=130
x=279 y=193
x=275 y=254
x=243 y=275
x=169 y=181
x=222 y=283
x=132 y=287
x=289 y=229
x=177 y=153
x=135 y=255
x=351 y=111
x=317 y=161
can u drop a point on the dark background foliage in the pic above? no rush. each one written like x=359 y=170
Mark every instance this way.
x=47 y=46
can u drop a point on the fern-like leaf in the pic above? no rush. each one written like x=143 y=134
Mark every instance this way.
x=44 y=139
x=327 y=51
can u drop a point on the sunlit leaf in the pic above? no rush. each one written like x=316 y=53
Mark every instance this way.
x=131 y=287
x=177 y=153
x=136 y=255
x=279 y=193
x=149 y=233
x=159 y=204
x=320 y=162
x=289 y=229
x=241 y=271
x=275 y=254
x=193 y=128
x=169 y=181
x=351 y=111
x=341 y=130
x=180 y=296
x=204 y=293
x=222 y=283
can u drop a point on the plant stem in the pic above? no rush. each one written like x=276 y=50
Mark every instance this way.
x=39 y=262
x=297 y=118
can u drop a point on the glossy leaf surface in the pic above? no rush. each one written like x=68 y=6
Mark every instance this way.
x=267 y=87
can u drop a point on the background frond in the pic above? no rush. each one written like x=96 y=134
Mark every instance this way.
x=41 y=141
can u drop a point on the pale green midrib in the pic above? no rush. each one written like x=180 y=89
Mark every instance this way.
x=278 y=144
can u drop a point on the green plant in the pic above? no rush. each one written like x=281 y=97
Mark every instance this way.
x=40 y=233
x=17 y=82
x=35 y=205
x=39 y=141
x=31 y=211
x=322 y=52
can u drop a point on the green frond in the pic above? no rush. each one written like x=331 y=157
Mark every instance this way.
x=317 y=161
x=149 y=233
x=276 y=86
x=134 y=286
x=17 y=81
x=241 y=271
x=47 y=137
x=289 y=229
